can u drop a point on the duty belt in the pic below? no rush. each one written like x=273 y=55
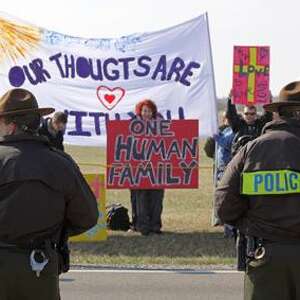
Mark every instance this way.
x=43 y=244
x=291 y=242
x=6 y=245
x=38 y=253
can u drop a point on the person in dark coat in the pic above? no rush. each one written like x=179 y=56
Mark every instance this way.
x=146 y=205
x=41 y=192
x=249 y=123
x=54 y=129
x=259 y=194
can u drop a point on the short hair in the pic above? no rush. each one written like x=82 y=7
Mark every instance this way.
x=29 y=123
x=252 y=107
x=147 y=102
x=60 y=117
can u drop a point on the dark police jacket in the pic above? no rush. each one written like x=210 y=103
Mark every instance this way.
x=55 y=141
x=260 y=190
x=40 y=189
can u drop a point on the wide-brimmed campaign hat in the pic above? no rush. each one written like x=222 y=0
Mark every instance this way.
x=288 y=96
x=21 y=102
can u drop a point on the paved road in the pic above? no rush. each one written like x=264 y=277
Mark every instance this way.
x=154 y=285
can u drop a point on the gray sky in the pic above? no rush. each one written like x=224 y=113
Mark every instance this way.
x=232 y=22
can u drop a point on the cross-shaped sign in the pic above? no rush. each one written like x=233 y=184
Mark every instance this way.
x=251 y=75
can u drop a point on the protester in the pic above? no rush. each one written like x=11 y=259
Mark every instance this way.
x=42 y=191
x=247 y=124
x=147 y=204
x=259 y=194
x=224 y=140
x=54 y=129
x=209 y=146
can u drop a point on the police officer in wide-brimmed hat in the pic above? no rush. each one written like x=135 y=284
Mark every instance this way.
x=260 y=195
x=41 y=191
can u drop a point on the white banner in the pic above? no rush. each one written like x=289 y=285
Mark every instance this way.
x=95 y=80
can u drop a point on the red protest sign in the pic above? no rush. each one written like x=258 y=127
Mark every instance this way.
x=251 y=67
x=153 y=154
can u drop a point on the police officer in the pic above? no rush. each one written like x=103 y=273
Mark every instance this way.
x=260 y=195
x=40 y=190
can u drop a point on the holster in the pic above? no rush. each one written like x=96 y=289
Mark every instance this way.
x=246 y=246
x=63 y=257
x=241 y=249
x=63 y=252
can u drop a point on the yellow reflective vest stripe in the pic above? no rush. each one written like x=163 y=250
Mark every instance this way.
x=271 y=182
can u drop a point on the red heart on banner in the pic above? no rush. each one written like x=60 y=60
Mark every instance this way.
x=110 y=97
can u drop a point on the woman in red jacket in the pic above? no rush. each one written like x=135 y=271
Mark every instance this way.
x=147 y=204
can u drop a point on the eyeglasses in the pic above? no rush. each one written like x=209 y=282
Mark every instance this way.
x=249 y=114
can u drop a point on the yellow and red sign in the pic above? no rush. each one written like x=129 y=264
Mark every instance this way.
x=98 y=232
x=251 y=66
x=154 y=154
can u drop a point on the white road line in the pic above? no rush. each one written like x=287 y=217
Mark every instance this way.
x=204 y=272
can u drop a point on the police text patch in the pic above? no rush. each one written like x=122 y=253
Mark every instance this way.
x=274 y=182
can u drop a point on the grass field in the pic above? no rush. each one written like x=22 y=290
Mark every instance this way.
x=189 y=239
